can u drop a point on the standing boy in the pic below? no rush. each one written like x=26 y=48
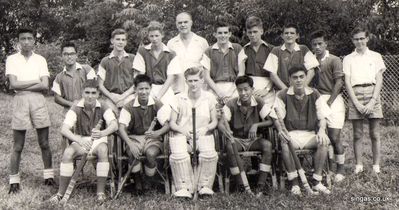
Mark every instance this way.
x=181 y=122
x=28 y=75
x=289 y=54
x=83 y=117
x=116 y=74
x=364 y=70
x=134 y=121
x=221 y=63
x=329 y=82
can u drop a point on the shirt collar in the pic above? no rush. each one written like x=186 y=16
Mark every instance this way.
x=253 y=101
x=216 y=46
x=326 y=55
x=365 y=52
x=296 y=47
x=113 y=55
x=78 y=67
x=137 y=104
x=308 y=91
x=20 y=54
x=81 y=103
x=262 y=42
x=164 y=47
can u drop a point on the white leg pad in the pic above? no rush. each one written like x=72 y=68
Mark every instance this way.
x=102 y=169
x=207 y=168
x=66 y=169
x=182 y=173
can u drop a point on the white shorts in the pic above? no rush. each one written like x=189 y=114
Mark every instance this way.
x=301 y=138
x=95 y=143
x=337 y=117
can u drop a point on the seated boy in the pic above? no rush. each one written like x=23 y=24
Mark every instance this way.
x=134 y=128
x=84 y=116
x=181 y=122
x=303 y=114
x=246 y=115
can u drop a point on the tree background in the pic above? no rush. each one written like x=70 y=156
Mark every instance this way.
x=89 y=23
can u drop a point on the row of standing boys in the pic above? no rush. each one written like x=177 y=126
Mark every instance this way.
x=137 y=88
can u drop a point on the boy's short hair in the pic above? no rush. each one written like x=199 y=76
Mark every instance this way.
x=142 y=78
x=68 y=44
x=318 y=34
x=221 y=24
x=296 y=68
x=155 y=26
x=291 y=25
x=118 y=31
x=186 y=13
x=194 y=71
x=253 y=21
x=359 y=29
x=91 y=83
x=244 y=79
x=24 y=30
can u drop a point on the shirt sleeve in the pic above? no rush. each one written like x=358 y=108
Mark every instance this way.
x=242 y=57
x=124 y=117
x=310 y=61
x=109 y=116
x=322 y=109
x=163 y=114
x=346 y=68
x=43 y=68
x=56 y=86
x=271 y=63
x=280 y=106
x=227 y=113
x=70 y=118
x=139 y=63
x=337 y=68
x=10 y=66
x=91 y=74
x=101 y=71
x=174 y=67
x=206 y=61
x=380 y=65
x=265 y=111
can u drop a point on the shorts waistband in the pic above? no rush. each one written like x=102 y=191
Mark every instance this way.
x=26 y=92
x=364 y=85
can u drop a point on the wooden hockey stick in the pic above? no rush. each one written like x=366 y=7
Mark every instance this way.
x=79 y=168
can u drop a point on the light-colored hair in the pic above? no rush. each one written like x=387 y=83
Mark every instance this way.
x=155 y=26
x=118 y=31
x=194 y=71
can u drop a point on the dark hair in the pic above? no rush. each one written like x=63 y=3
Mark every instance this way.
x=221 y=24
x=91 y=83
x=296 y=68
x=194 y=71
x=244 y=79
x=291 y=25
x=155 y=26
x=253 y=21
x=318 y=34
x=118 y=31
x=68 y=44
x=142 y=78
x=359 y=29
x=23 y=30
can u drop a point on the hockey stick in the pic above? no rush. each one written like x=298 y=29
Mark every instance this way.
x=79 y=168
x=298 y=165
x=130 y=168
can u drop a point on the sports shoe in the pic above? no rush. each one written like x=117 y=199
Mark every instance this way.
x=296 y=190
x=183 y=193
x=321 y=188
x=14 y=188
x=101 y=197
x=55 y=199
x=205 y=191
x=49 y=182
x=339 y=178
x=358 y=169
x=376 y=169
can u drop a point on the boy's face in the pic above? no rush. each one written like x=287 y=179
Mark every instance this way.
x=297 y=80
x=290 y=35
x=143 y=90
x=26 y=41
x=360 y=40
x=244 y=92
x=319 y=46
x=69 y=56
x=255 y=34
x=194 y=82
x=222 y=35
x=155 y=37
x=184 y=23
x=90 y=95
x=119 y=42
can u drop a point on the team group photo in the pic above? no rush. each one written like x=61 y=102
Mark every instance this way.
x=178 y=104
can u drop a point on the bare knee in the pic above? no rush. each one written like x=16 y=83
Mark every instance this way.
x=102 y=152
x=151 y=154
x=266 y=145
x=68 y=155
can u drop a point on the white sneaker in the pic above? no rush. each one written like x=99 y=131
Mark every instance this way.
x=205 y=191
x=321 y=188
x=339 y=178
x=183 y=193
x=296 y=190
x=358 y=169
x=376 y=169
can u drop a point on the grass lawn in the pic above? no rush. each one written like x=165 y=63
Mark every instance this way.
x=356 y=192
